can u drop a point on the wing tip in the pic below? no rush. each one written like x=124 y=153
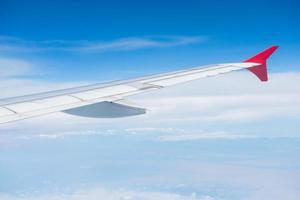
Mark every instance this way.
x=261 y=58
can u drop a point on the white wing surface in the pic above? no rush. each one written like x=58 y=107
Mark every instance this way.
x=107 y=99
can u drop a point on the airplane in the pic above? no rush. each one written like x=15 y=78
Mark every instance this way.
x=106 y=100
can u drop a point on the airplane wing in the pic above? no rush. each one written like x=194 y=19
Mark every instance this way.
x=106 y=100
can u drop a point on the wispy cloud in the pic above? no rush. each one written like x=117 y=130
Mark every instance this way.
x=11 y=44
x=16 y=78
x=14 y=67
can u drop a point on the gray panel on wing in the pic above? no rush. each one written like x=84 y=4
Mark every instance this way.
x=106 y=110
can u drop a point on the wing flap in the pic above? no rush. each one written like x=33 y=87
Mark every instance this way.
x=104 y=92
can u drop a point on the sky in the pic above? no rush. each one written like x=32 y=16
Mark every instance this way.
x=226 y=137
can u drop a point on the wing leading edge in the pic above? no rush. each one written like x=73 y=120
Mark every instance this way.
x=106 y=100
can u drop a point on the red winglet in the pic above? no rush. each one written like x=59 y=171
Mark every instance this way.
x=261 y=70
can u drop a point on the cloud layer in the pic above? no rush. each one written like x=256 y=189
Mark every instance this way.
x=109 y=194
x=234 y=114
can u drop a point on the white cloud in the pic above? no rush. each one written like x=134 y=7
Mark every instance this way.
x=10 y=44
x=233 y=108
x=109 y=194
x=169 y=134
x=201 y=135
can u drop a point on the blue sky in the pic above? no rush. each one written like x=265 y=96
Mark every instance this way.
x=223 y=138
x=226 y=31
